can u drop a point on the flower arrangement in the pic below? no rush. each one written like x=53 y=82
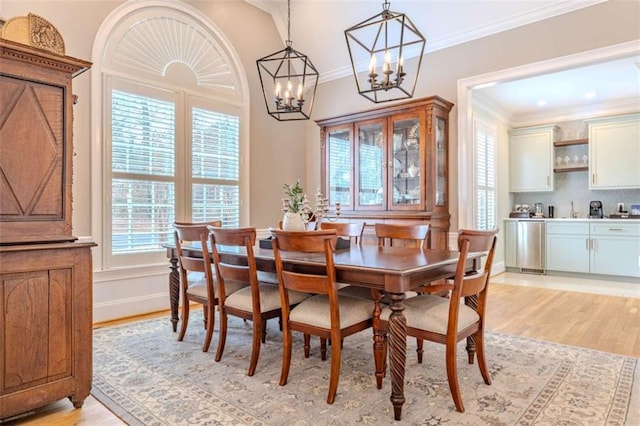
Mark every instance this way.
x=295 y=202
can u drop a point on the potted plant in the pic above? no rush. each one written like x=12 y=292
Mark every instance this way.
x=294 y=206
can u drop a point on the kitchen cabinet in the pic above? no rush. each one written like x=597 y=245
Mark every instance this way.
x=531 y=158
x=605 y=248
x=45 y=276
x=511 y=243
x=390 y=165
x=615 y=249
x=568 y=246
x=614 y=152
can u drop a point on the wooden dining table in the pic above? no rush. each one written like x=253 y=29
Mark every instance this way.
x=392 y=270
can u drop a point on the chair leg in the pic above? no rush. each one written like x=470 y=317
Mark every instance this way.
x=258 y=336
x=379 y=350
x=307 y=345
x=205 y=315
x=452 y=375
x=323 y=349
x=471 y=348
x=185 y=319
x=334 y=376
x=482 y=361
x=419 y=349
x=210 y=324
x=264 y=331
x=222 y=334
x=286 y=356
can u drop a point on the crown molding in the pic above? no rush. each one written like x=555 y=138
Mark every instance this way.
x=581 y=112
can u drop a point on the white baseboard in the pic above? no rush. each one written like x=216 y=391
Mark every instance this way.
x=129 y=307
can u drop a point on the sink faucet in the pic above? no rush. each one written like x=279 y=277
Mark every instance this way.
x=574 y=214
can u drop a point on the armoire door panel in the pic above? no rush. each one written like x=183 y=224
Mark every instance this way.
x=26 y=302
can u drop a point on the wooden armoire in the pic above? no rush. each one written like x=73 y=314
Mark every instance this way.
x=45 y=274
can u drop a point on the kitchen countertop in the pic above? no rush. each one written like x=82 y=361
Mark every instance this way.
x=558 y=219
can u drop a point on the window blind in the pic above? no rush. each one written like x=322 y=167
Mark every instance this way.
x=215 y=164
x=485 y=177
x=143 y=190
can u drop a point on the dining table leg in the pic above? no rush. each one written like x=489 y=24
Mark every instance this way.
x=174 y=292
x=397 y=351
x=472 y=302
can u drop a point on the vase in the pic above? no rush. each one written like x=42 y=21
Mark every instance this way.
x=292 y=222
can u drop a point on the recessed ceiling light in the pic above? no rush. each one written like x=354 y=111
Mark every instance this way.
x=590 y=95
x=542 y=102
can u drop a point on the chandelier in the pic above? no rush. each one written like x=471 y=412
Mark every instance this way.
x=288 y=80
x=388 y=38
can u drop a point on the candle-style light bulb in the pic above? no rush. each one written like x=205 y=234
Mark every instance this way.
x=400 y=63
x=387 y=62
x=278 y=90
x=289 y=86
x=372 y=65
x=300 y=91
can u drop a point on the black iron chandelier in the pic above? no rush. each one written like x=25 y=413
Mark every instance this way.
x=288 y=80
x=387 y=38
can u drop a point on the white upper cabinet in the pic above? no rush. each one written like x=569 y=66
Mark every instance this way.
x=614 y=152
x=531 y=158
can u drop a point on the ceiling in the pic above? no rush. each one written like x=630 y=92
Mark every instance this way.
x=317 y=24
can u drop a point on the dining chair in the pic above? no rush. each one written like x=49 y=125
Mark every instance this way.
x=353 y=231
x=326 y=314
x=196 y=276
x=450 y=320
x=402 y=235
x=257 y=301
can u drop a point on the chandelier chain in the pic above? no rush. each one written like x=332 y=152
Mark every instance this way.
x=289 y=23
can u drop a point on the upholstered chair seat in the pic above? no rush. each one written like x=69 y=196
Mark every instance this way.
x=315 y=311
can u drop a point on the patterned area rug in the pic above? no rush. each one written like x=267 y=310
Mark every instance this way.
x=145 y=376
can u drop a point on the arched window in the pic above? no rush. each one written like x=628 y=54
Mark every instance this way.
x=173 y=128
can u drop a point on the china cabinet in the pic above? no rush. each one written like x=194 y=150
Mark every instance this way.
x=614 y=152
x=390 y=165
x=531 y=158
x=45 y=276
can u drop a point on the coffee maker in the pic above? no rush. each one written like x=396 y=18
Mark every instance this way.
x=595 y=210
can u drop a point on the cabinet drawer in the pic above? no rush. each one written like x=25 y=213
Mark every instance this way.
x=615 y=229
x=567 y=228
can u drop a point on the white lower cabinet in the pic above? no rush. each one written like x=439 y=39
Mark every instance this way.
x=568 y=247
x=607 y=248
x=615 y=249
x=510 y=243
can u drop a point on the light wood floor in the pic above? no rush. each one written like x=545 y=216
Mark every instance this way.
x=606 y=323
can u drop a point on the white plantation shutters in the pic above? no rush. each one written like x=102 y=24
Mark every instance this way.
x=215 y=164
x=170 y=152
x=485 y=165
x=143 y=174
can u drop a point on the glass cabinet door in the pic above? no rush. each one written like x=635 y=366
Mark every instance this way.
x=340 y=167
x=371 y=165
x=406 y=168
x=441 y=161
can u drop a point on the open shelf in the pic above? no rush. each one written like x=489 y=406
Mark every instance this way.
x=571 y=142
x=571 y=169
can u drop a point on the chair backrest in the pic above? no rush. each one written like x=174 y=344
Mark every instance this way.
x=189 y=234
x=226 y=272
x=473 y=241
x=344 y=229
x=209 y=223
x=321 y=242
x=480 y=241
x=402 y=235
